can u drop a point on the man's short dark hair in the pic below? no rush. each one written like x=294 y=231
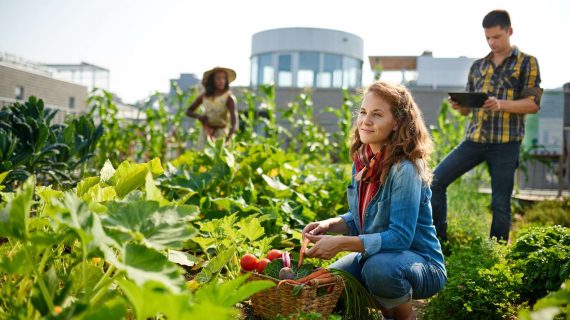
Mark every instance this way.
x=495 y=18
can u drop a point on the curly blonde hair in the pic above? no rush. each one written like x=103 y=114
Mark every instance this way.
x=411 y=140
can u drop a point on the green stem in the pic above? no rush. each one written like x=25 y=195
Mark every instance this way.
x=41 y=283
x=101 y=286
x=48 y=252
x=84 y=264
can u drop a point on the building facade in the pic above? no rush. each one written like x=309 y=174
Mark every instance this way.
x=21 y=79
x=306 y=57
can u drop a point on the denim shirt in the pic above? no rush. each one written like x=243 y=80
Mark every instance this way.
x=398 y=217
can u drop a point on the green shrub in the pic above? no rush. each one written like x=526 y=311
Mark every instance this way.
x=543 y=255
x=468 y=217
x=480 y=284
x=556 y=305
x=30 y=144
x=550 y=212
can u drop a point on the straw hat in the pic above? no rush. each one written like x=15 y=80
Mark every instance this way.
x=229 y=72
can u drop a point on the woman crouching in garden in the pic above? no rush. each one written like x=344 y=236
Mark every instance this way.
x=388 y=229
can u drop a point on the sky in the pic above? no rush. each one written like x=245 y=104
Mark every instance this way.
x=145 y=43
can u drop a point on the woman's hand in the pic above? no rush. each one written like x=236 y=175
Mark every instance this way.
x=315 y=228
x=203 y=119
x=326 y=247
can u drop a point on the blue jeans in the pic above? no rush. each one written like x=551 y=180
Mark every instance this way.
x=502 y=160
x=394 y=278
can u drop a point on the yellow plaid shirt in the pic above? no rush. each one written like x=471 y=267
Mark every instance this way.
x=518 y=77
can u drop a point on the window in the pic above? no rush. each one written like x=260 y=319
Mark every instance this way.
x=71 y=102
x=19 y=93
x=308 y=69
x=331 y=76
x=254 y=70
x=284 y=74
x=352 y=73
x=266 y=71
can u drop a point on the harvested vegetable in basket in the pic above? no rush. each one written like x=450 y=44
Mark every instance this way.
x=357 y=300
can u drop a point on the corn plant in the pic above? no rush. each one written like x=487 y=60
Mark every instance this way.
x=341 y=138
x=305 y=135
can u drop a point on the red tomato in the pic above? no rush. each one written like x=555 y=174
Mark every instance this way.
x=273 y=254
x=248 y=262
x=261 y=264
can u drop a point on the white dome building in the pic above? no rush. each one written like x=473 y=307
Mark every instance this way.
x=306 y=57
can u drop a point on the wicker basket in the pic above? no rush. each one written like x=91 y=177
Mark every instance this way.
x=273 y=301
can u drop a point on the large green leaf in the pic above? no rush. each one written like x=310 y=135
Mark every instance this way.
x=47 y=193
x=107 y=171
x=84 y=185
x=205 y=243
x=154 y=299
x=144 y=264
x=151 y=299
x=157 y=227
x=152 y=191
x=75 y=214
x=129 y=178
x=15 y=262
x=232 y=291
x=110 y=310
x=97 y=193
x=215 y=265
x=183 y=258
x=277 y=187
x=2 y=177
x=251 y=228
x=155 y=167
x=92 y=275
x=14 y=217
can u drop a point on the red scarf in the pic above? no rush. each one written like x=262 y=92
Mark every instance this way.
x=368 y=171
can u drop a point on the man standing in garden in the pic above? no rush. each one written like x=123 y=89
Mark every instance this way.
x=511 y=79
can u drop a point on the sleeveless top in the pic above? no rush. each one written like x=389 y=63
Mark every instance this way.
x=216 y=110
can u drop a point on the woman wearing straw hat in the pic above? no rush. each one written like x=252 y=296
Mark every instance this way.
x=218 y=103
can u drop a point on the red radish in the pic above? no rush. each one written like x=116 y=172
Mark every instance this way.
x=286 y=259
x=261 y=264
x=248 y=262
x=274 y=254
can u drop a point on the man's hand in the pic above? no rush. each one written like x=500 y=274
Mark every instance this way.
x=492 y=104
x=456 y=106
x=326 y=247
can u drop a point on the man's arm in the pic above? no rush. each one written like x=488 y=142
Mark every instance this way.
x=531 y=92
x=458 y=107
x=522 y=106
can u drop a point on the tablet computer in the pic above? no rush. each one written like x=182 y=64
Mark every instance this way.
x=469 y=99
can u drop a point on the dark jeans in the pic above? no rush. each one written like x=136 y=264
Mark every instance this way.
x=502 y=160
